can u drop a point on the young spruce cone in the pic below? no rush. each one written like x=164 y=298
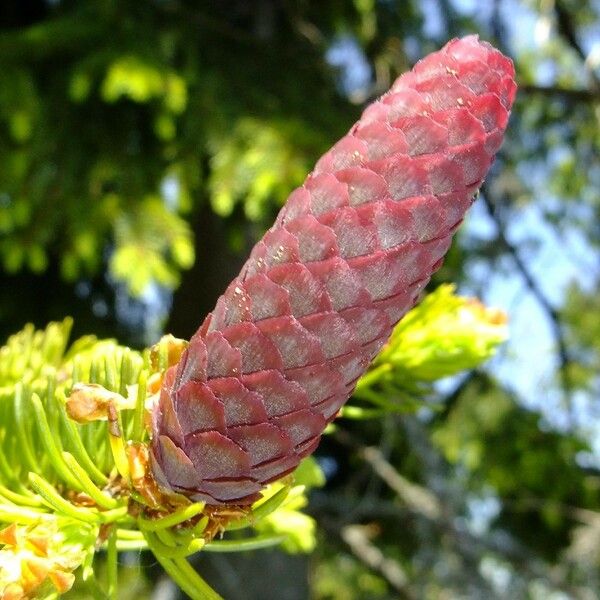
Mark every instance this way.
x=346 y=258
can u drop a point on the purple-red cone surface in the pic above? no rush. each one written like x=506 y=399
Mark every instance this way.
x=318 y=297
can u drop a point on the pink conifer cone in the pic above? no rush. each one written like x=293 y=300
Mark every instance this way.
x=346 y=258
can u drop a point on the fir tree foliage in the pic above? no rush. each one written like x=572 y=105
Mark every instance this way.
x=74 y=423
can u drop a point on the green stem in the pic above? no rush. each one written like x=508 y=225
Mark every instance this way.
x=51 y=408
x=262 y=510
x=131 y=545
x=130 y=534
x=179 y=516
x=100 y=498
x=58 y=503
x=112 y=565
x=168 y=538
x=110 y=373
x=78 y=447
x=194 y=577
x=125 y=372
x=188 y=579
x=95 y=372
x=116 y=514
x=255 y=543
x=158 y=547
x=117 y=446
x=137 y=434
x=24 y=436
x=200 y=526
x=9 y=473
x=19 y=499
x=51 y=445
x=14 y=514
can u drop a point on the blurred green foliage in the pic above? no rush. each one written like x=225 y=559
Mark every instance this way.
x=444 y=335
x=256 y=165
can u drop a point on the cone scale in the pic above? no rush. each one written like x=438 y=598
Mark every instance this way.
x=347 y=257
